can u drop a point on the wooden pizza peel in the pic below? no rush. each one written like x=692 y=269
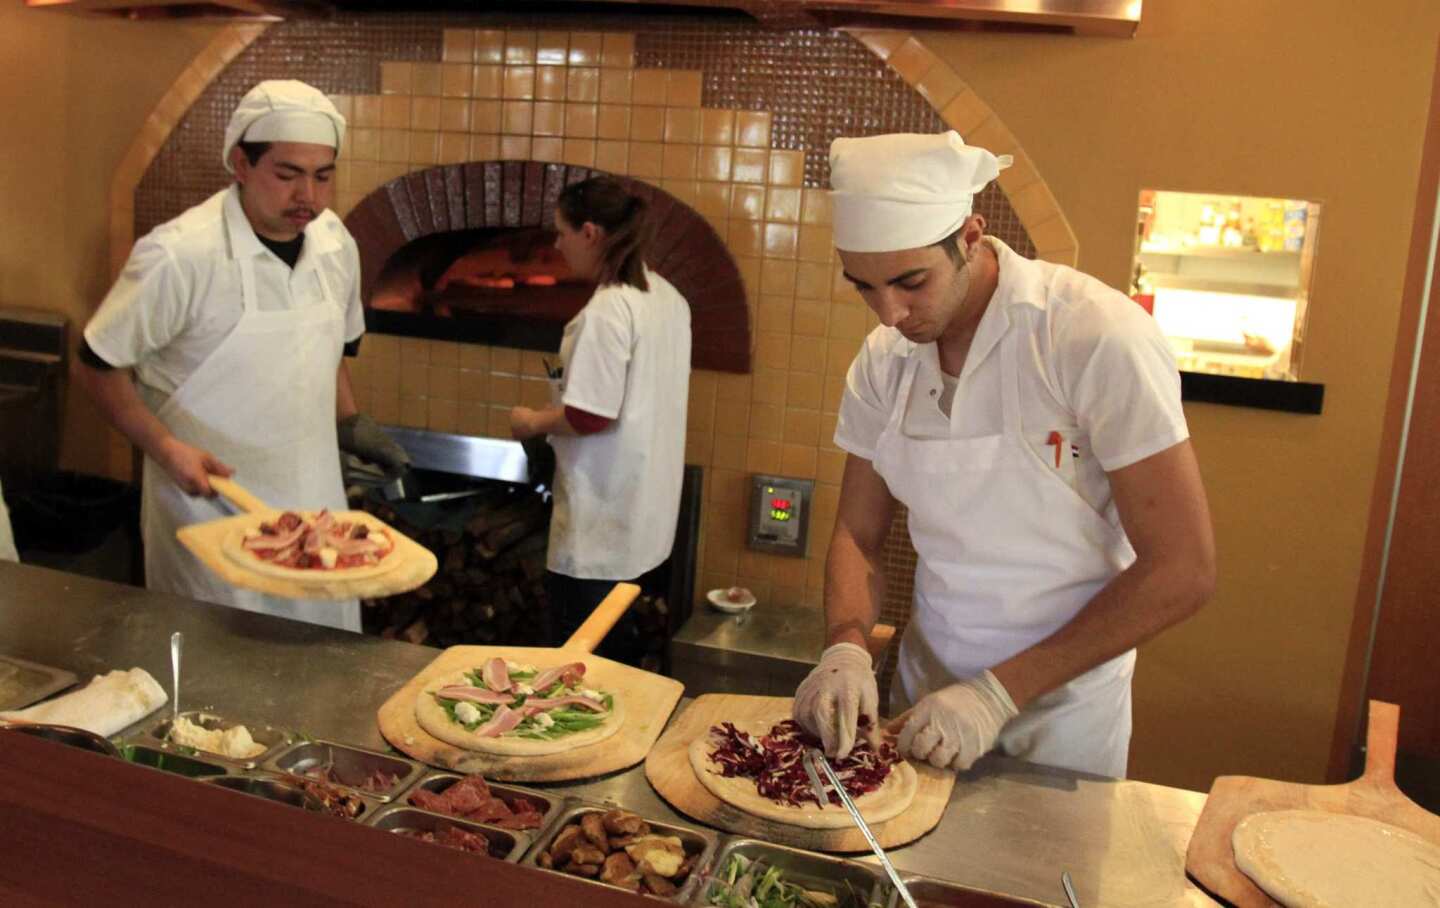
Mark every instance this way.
x=669 y=771
x=1210 y=860
x=648 y=701
x=414 y=564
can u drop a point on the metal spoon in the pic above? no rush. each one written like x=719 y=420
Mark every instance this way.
x=1069 y=889
x=177 y=642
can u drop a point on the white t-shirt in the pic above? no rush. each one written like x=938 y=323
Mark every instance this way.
x=626 y=356
x=1094 y=368
x=180 y=294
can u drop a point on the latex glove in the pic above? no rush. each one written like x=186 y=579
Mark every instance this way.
x=957 y=725
x=833 y=697
x=359 y=435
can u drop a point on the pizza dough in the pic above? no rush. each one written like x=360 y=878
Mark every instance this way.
x=885 y=803
x=433 y=718
x=233 y=546
x=1315 y=859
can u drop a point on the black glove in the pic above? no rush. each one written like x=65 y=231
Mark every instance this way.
x=359 y=435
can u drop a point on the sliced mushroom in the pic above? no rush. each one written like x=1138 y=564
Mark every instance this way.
x=590 y=870
x=621 y=841
x=594 y=828
x=544 y=860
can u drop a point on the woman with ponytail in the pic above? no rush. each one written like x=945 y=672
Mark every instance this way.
x=617 y=417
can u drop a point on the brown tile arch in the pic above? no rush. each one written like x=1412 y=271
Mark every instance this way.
x=687 y=251
x=965 y=112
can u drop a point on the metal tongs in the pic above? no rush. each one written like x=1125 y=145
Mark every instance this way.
x=815 y=762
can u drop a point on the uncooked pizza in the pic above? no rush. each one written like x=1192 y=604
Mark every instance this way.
x=516 y=709
x=309 y=547
x=1316 y=859
x=760 y=771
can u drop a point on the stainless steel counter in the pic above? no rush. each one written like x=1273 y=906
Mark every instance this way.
x=1011 y=827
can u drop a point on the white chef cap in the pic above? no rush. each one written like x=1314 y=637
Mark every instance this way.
x=904 y=191
x=284 y=110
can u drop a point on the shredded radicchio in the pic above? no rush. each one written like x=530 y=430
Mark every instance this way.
x=774 y=762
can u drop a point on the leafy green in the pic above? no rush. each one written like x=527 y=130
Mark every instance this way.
x=566 y=720
x=746 y=883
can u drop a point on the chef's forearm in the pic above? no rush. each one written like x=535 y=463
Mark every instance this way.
x=854 y=566
x=344 y=393
x=1162 y=506
x=113 y=392
x=1138 y=604
x=854 y=589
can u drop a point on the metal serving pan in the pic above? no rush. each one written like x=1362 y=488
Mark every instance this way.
x=23 y=683
x=549 y=805
x=271 y=737
x=64 y=734
x=271 y=789
x=350 y=766
x=505 y=844
x=697 y=842
x=170 y=761
x=933 y=893
x=854 y=884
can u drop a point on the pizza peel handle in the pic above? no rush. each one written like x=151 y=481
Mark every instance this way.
x=1381 y=739
x=238 y=495
x=588 y=635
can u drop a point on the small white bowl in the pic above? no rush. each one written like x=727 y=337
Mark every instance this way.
x=718 y=599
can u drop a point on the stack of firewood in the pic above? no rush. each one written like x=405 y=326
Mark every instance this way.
x=488 y=588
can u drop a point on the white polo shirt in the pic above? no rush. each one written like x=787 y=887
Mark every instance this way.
x=179 y=295
x=1094 y=371
x=626 y=356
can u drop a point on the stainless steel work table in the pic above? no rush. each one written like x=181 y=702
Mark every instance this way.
x=1011 y=827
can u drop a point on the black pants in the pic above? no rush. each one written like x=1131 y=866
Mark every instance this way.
x=571 y=602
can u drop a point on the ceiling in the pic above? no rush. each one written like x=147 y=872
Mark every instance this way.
x=1117 y=18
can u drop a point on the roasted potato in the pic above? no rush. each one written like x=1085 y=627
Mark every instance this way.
x=566 y=842
x=658 y=884
x=594 y=828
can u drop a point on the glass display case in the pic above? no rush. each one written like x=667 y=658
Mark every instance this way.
x=1227 y=278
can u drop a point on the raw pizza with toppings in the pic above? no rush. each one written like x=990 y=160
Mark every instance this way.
x=512 y=709
x=310 y=547
x=760 y=771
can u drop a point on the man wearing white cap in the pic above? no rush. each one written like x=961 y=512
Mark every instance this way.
x=233 y=318
x=1029 y=419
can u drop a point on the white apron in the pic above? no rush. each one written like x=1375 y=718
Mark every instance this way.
x=264 y=403
x=7 y=534
x=1008 y=554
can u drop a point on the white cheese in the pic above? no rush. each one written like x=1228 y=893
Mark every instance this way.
x=525 y=689
x=232 y=742
x=544 y=721
x=518 y=667
x=589 y=694
x=466 y=712
x=328 y=556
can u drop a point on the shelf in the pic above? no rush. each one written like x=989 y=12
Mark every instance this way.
x=1260 y=393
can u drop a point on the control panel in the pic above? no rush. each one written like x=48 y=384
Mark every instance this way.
x=780 y=514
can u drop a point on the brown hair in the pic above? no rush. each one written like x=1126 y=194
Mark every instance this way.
x=951 y=245
x=606 y=203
